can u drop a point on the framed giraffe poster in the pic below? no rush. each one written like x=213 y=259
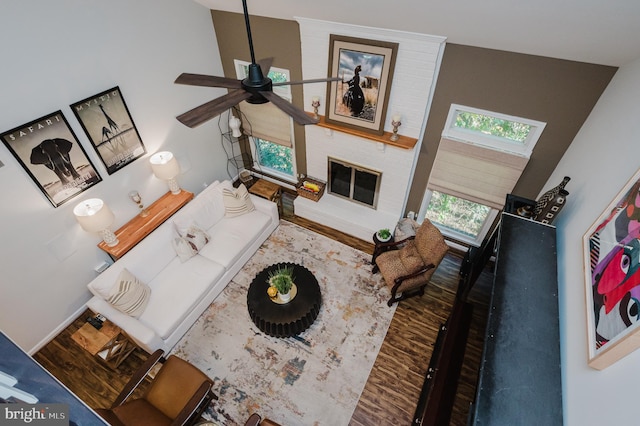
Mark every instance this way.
x=612 y=278
x=106 y=120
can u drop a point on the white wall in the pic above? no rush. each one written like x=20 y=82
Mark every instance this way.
x=603 y=157
x=57 y=53
x=417 y=63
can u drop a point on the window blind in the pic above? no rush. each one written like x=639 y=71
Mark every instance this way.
x=475 y=173
x=266 y=121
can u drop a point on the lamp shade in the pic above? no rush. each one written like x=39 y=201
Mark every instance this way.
x=164 y=165
x=93 y=215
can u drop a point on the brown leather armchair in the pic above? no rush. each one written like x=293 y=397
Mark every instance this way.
x=407 y=265
x=178 y=395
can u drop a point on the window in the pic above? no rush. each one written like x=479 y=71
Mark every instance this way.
x=479 y=161
x=273 y=147
x=459 y=218
x=277 y=158
x=494 y=130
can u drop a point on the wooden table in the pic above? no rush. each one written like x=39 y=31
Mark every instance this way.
x=110 y=344
x=139 y=227
x=269 y=190
x=288 y=319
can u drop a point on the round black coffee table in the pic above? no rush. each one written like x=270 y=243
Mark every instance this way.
x=284 y=319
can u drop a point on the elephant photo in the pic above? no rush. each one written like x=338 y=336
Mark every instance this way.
x=54 y=154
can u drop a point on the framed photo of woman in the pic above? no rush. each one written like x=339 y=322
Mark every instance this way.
x=365 y=67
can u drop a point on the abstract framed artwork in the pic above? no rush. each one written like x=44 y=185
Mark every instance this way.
x=50 y=153
x=359 y=101
x=106 y=120
x=612 y=278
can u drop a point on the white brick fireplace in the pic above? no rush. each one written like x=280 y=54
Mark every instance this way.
x=416 y=68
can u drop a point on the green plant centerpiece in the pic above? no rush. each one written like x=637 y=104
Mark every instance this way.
x=384 y=234
x=282 y=279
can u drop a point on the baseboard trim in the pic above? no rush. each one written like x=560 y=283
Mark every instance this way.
x=49 y=337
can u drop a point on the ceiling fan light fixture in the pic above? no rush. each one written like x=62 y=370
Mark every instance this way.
x=255 y=89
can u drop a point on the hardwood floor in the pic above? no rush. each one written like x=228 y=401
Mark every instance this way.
x=391 y=393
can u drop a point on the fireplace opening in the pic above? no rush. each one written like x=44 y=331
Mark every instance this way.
x=353 y=182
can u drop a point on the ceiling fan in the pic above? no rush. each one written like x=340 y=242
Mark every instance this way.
x=255 y=89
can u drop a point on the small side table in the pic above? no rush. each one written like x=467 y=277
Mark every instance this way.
x=110 y=345
x=380 y=247
x=134 y=231
x=269 y=190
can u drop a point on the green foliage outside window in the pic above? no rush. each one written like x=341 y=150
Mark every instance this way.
x=505 y=129
x=456 y=214
x=274 y=156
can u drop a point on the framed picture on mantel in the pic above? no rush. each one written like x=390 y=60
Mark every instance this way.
x=612 y=278
x=359 y=101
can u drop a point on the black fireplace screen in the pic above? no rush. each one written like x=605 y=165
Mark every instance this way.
x=354 y=182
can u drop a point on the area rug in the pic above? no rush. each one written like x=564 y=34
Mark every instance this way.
x=315 y=378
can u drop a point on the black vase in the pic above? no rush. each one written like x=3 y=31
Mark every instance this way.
x=549 y=195
x=552 y=207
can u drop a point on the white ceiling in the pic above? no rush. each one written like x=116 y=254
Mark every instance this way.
x=594 y=31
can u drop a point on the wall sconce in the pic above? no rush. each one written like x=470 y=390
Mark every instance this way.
x=94 y=215
x=136 y=198
x=315 y=103
x=165 y=167
x=234 y=125
x=395 y=122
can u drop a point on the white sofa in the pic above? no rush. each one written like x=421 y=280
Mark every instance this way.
x=181 y=291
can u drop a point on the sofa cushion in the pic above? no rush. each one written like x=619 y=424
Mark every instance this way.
x=232 y=235
x=190 y=244
x=176 y=291
x=152 y=254
x=236 y=201
x=129 y=295
x=205 y=210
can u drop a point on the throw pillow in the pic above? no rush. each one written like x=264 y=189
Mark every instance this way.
x=191 y=243
x=237 y=201
x=129 y=295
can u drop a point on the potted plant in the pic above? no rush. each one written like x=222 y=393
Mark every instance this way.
x=282 y=279
x=383 y=235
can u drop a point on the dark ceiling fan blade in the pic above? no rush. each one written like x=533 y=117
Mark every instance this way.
x=205 y=112
x=315 y=80
x=298 y=115
x=265 y=65
x=208 y=81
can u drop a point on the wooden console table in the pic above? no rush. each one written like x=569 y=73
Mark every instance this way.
x=139 y=227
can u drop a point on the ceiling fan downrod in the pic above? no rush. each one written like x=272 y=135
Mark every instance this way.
x=248 y=25
x=255 y=81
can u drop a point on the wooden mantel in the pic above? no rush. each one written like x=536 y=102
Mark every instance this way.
x=404 y=142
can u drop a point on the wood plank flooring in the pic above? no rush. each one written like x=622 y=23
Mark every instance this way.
x=391 y=393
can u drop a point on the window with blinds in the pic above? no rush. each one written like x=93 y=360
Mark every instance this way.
x=270 y=129
x=480 y=159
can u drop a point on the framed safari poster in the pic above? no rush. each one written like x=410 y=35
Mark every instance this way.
x=106 y=120
x=612 y=278
x=359 y=100
x=48 y=150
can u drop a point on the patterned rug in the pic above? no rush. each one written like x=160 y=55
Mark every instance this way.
x=315 y=378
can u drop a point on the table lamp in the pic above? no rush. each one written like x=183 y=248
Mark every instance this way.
x=165 y=167
x=94 y=215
